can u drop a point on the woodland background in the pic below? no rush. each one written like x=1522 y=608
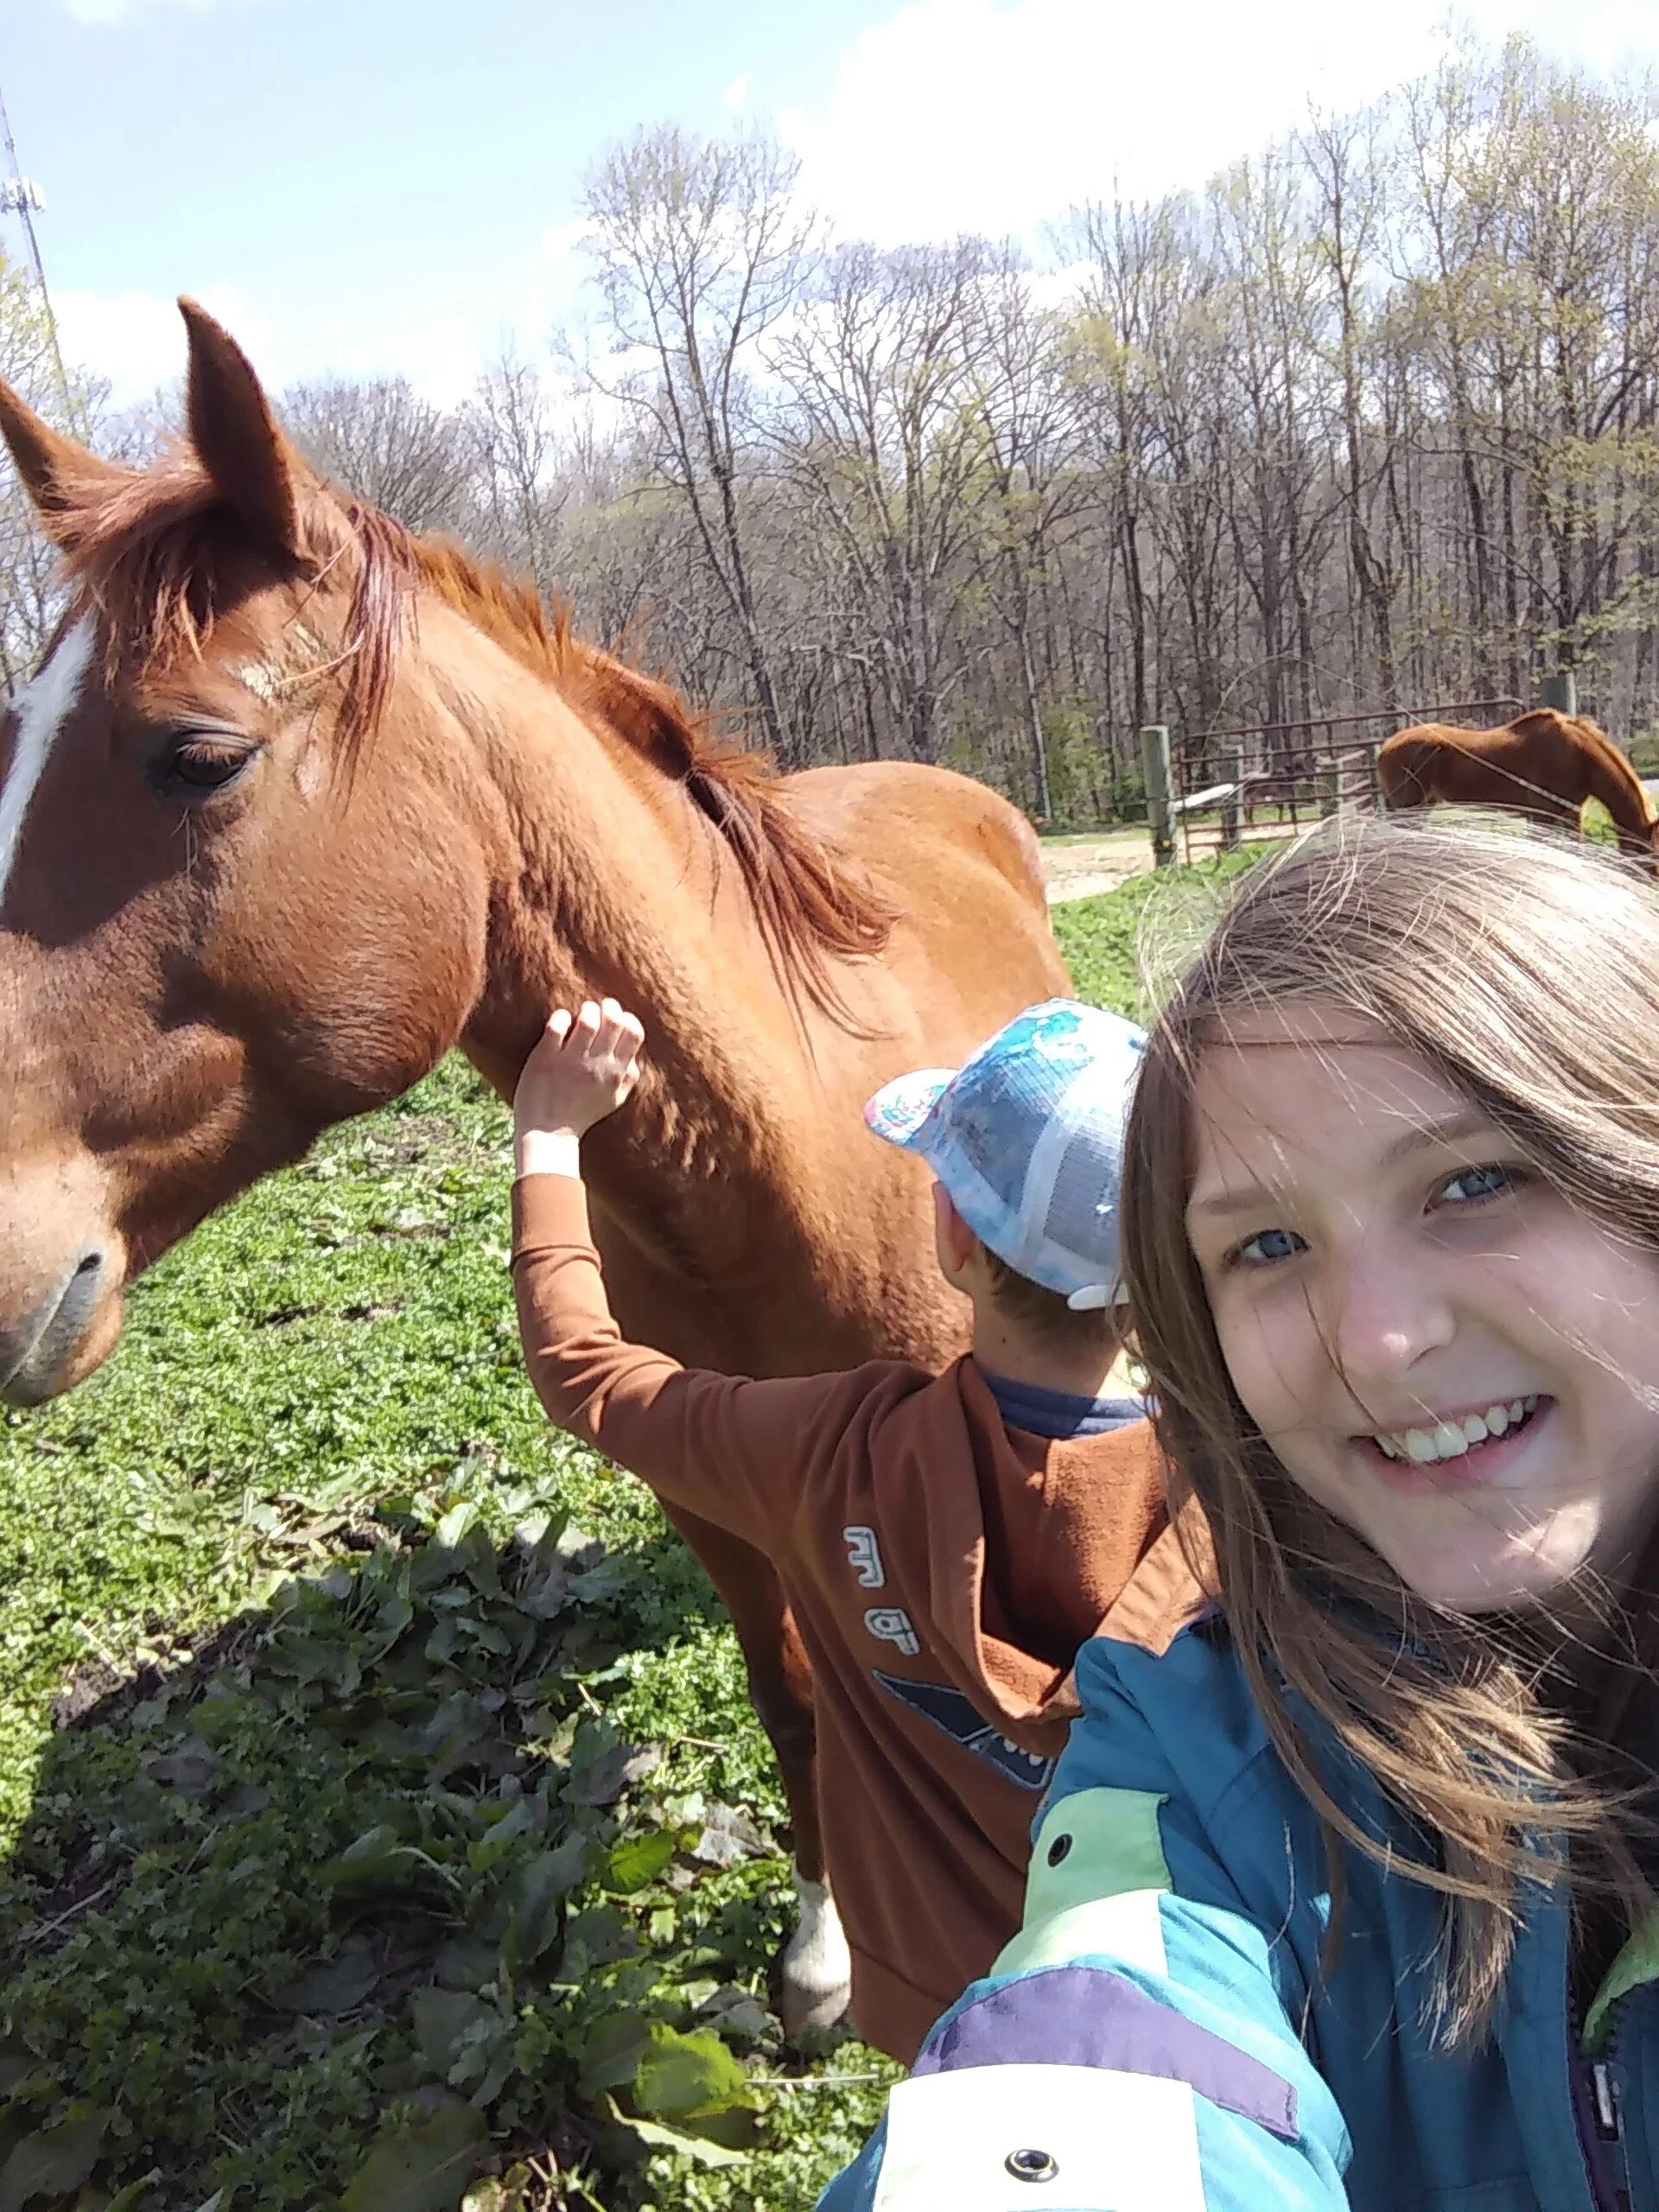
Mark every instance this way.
x=1371 y=421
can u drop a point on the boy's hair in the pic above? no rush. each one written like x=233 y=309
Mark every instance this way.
x=1045 y=1314
x=1526 y=972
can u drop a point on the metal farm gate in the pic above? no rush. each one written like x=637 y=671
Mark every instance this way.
x=1271 y=779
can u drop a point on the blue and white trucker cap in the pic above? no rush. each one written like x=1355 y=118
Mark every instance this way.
x=1028 y=1137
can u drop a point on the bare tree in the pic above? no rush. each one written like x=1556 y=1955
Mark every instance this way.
x=1133 y=260
x=700 y=251
x=385 y=443
x=1346 y=169
x=882 y=440
x=1029 y=419
x=523 y=478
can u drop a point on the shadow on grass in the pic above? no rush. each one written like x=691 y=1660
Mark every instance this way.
x=367 y=1897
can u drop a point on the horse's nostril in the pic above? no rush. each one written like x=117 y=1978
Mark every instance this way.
x=35 y=1349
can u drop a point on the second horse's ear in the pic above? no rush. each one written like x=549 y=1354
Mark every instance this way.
x=61 y=477
x=236 y=437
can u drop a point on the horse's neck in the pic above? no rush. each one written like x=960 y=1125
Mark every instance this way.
x=606 y=882
x=1615 y=784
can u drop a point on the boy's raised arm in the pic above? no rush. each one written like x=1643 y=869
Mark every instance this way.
x=725 y=1449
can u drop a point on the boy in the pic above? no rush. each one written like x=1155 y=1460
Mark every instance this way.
x=946 y=1542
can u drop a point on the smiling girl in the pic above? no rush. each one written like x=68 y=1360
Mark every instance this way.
x=1341 y=1896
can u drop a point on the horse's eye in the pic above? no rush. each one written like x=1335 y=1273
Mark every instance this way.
x=198 y=762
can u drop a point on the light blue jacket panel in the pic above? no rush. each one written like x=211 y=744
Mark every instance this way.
x=1161 y=2034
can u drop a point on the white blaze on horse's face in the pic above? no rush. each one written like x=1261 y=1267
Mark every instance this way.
x=209 y=950
x=43 y=707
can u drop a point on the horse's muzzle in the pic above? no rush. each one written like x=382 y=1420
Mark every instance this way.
x=65 y=1336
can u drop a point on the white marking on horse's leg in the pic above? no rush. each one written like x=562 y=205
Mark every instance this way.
x=817 y=1966
x=43 y=707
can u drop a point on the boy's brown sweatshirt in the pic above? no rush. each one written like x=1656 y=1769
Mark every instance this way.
x=943 y=1570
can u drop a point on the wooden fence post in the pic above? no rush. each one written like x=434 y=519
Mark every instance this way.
x=1374 y=779
x=1232 y=807
x=1154 y=762
x=1562 y=692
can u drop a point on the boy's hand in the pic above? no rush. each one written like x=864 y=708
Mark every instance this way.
x=581 y=1070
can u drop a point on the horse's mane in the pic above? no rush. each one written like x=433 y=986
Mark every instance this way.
x=150 y=549
x=1619 y=766
x=1596 y=742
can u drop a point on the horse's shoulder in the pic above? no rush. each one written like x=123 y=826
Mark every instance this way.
x=909 y=795
x=937 y=834
x=1545 y=722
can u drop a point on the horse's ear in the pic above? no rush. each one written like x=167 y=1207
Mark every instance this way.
x=235 y=434
x=59 y=476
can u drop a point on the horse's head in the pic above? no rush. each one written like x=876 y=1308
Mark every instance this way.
x=226 y=922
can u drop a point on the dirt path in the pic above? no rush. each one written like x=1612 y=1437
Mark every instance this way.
x=1079 y=866
x=1082 y=866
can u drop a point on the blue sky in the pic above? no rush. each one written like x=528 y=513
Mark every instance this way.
x=366 y=186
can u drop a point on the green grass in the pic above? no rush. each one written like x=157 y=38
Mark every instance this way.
x=336 y=1859
x=1159 y=915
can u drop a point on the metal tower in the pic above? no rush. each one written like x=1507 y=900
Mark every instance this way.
x=19 y=197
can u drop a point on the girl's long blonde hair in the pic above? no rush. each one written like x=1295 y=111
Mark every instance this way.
x=1526 y=972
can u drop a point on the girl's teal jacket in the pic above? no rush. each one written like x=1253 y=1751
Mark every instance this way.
x=1160 y=2037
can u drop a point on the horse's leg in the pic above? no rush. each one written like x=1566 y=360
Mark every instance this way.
x=816 y=1969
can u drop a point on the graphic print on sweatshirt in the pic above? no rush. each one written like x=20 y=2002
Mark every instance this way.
x=887 y=1624
x=864 y=1556
x=958 y=1716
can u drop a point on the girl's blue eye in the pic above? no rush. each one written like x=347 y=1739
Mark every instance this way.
x=1472 y=1183
x=1268 y=1245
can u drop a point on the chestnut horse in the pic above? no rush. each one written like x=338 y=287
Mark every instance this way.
x=1545 y=764
x=295 y=804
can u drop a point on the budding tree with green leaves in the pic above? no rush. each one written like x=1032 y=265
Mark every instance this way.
x=30 y=601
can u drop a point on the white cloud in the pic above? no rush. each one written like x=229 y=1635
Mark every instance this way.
x=136 y=341
x=736 y=94
x=968 y=114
